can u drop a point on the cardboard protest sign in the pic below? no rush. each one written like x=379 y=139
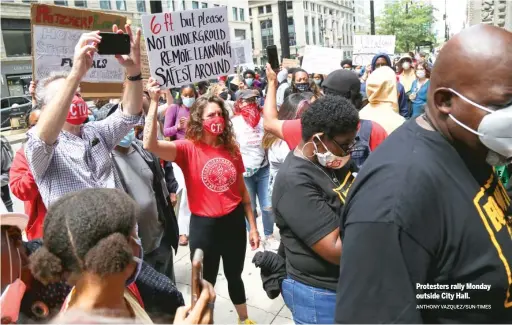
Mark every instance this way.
x=323 y=60
x=55 y=33
x=290 y=63
x=366 y=46
x=242 y=52
x=188 y=46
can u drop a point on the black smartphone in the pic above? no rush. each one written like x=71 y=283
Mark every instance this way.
x=273 y=59
x=112 y=44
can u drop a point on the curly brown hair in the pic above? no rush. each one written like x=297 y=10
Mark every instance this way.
x=195 y=124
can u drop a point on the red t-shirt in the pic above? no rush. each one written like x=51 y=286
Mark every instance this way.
x=212 y=177
x=292 y=133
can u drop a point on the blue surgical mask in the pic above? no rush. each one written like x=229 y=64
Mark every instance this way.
x=249 y=81
x=318 y=82
x=188 y=101
x=138 y=260
x=289 y=81
x=126 y=142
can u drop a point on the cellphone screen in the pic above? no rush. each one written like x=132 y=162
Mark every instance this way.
x=112 y=44
x=273 y=59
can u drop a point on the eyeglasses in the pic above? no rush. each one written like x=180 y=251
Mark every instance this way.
x=347 y=149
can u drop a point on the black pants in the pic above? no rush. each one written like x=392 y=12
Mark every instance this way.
x=6 y=197
x=222 y=237
x=162 y=260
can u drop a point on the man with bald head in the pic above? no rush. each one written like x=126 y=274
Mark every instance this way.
x=427 y=227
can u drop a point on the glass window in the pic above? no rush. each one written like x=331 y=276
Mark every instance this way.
x=267 y=33
x=260 y=9
x=121 y=5
x=18 y=100
x=306 y=23
x=306 y=5
x=105 y=4
x=80 y=4
x=16 y=35
x=269 y=8
x=235 y=13
x=5 y=103
x=239 y=34
x=250 y=12
x=313 y=30
x=289 y=5
x=61 y=2
x=291 y=32
x=170 y=5
x=141 y=5
x=242 y=14
x=195 y=5
x=27 y=1
x=182 y=5
x=215 y=5
x=204 y=5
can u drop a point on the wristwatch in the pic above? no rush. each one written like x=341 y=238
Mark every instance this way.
x=135 y=78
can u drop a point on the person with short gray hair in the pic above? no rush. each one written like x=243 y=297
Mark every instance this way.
x=64 y=154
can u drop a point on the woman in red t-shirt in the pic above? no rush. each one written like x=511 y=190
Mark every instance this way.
x=218 y=199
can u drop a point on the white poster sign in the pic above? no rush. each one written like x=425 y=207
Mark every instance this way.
x=53 y=51
x=188 y=46
x=323 y=60
x=242 y=52
x=366 y=46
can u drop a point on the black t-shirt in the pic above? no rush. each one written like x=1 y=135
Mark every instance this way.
x=307 y=204
x=418 y=224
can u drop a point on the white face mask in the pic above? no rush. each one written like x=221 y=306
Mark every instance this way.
x=328 y=159
x=406 y=65
x=10 y=301
x=494 y=132
x=421 y=74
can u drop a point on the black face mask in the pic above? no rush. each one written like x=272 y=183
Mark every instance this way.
x=302 y=87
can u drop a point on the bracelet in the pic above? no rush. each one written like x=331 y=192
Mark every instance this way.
x=135 y=78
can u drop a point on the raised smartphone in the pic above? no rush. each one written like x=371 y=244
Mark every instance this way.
x=114 y=44
x=273 y=58
x=197 y=275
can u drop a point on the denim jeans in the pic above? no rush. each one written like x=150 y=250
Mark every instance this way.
x=309 y=305
x=257 y=185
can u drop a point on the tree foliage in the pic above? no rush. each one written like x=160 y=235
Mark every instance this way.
x=410 y=21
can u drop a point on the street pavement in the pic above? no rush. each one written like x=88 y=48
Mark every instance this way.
x=261 y=309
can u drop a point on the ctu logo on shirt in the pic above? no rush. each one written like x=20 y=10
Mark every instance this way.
x=493 y=205
x=217 y=128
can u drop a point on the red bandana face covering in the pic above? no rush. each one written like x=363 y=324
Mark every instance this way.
x=251 y=114
x=78 y=111
x=214 y=125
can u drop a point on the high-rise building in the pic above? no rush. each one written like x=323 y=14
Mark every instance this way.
x=492 y=12
x=321 y=23
x=362 y=16
x=16 y=43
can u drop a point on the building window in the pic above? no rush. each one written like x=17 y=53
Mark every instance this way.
x=269 y=9
x=17 y=39
x=242 y=14
x=235 y=13
x=121 y=5
x=141 y=5
x=250 y=12
x=195 y=5
x=306 y=23
x=182 y=5
x=61 y=2
x=261 y=10
x=239 y=34
x=215 y=5
x=325 y=10
x=204 y=5
x=170 y=5
x=105 y=4
x=313 y=29
x=80 y=4
x=267 y=33
x=291 y=32
x=305 y=5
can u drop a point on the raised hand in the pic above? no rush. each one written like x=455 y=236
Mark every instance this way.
x=271 y=74
x=84 y=53
x=130 y=62
x=153 y=89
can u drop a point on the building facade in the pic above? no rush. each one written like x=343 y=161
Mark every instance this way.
x=15 y=38
x=492 y=12
x=320 y=23
x=362 y=17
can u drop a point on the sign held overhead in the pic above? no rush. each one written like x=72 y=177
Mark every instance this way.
x=188 y=46
x=323 y=60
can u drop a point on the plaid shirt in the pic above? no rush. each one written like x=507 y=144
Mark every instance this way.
x=75 y=163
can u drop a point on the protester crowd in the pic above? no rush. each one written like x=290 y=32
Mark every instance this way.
x=382 y=181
